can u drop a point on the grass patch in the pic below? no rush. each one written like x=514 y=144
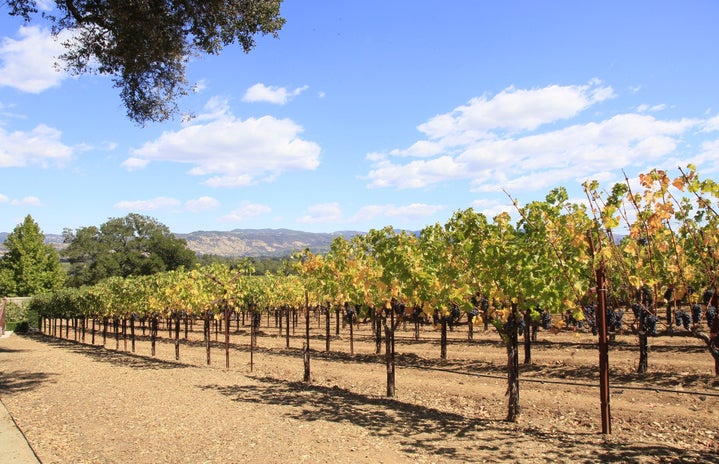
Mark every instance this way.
x=17 y=326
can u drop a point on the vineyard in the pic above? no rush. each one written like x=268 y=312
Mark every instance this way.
x=626 y=266
x=96 y=403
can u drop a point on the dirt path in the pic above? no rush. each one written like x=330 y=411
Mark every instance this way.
x=89 y=404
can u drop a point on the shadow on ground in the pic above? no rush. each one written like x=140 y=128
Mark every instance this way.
x=121 y=358
x=424 y=430
x=20 y=380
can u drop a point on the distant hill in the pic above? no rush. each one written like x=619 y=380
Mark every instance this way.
x=245 y=242
x=56 y=240
x=260 y=242
x=240 y=242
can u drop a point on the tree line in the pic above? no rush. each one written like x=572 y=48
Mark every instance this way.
x=133 y=245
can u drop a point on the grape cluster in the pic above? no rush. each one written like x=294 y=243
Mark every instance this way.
x=590 y=315
x=682 y=318
x=710 y=315
x=647 y=319
x=484 y=304
x=696 y=313
x=514 y=323
x=637 y=310
x=707 y=296
x=546 y=320
x=614 y=319
x=650 y=323
x=349 y=314
x=520 y=324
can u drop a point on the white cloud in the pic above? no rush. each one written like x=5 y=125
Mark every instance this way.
x=45 y=5
x=500 y=142
x=195 y=205
x=416 y=174
x=230 y=181
x=332 y=213
x=199 y=86
x=712 y=124
x=28 y=64
x=201 y=204
x=4 y=198
x=323 y=213
x=6 y=113
x=420 y=149
x=232 y=151
x=147 y=205
x=246 y=211
x=516 y=110
x=491 y=208
x=651 y=108
x=409 y=212
x=27 y=201
x=708 y=158
x=133 y=164
x=269 y=94
x=39 y=147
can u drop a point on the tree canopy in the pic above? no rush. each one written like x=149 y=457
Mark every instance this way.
x=29 y=266
x=133 y=245
x=145 y=46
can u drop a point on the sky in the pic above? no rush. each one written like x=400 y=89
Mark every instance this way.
x=366 y=114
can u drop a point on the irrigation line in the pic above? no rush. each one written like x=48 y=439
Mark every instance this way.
x=575 y=384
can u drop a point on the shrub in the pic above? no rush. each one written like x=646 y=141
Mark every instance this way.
x=14 y=312
x=22 y=327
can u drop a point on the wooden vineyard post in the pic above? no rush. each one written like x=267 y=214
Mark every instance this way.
x=603 y=350
x=124 y=333
x=512 y=345
x=337 y=321
x=287 y=327
x=132 y=331
x=177 y=336
x=116 y=328
x=443 y=338
x=390 y=353
x=252 y=344
x=601 y=315
x=207 y=336
x=307 y=375
x=352 y=334
x=153 y=334
x=227 y=335
x=327 y=327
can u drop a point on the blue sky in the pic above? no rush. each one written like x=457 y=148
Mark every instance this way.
x=364 y=114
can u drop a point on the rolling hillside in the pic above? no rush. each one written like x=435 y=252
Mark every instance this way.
x=241 y=242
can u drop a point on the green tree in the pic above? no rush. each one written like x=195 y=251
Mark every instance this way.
x=145 y=46
x=133 y=245
x=29 y=266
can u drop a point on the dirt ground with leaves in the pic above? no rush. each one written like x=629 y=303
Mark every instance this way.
x=84 y=403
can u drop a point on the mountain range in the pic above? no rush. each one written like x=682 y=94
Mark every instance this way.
x=240 y=242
